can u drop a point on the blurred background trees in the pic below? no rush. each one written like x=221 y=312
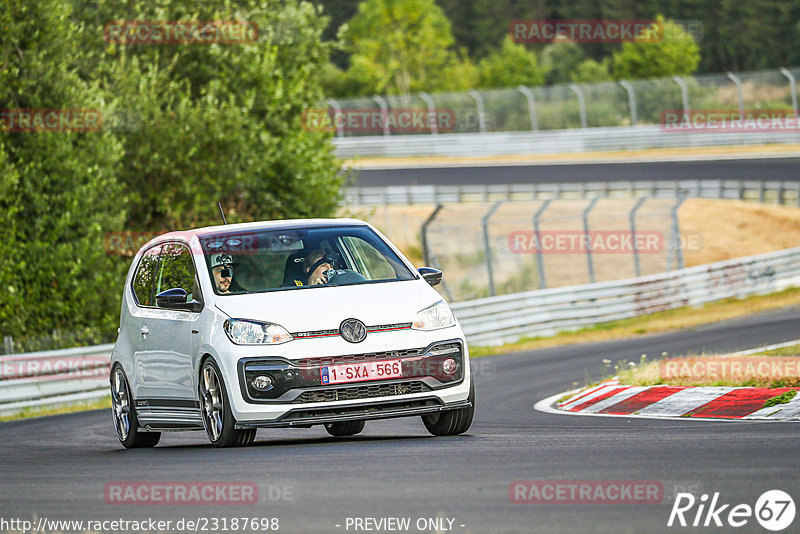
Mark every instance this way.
x=201 y=123
x=727 y=36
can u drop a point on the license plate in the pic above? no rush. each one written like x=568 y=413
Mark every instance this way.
x=356 y=372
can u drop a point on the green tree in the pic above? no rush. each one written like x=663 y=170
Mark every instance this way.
x=591 y=71
x=338 y=12
x=405 y=46
x=481 y=25
x=674 y=53
x=59 y=193
x=560 y=59
x=509 y=66
x=222 y=122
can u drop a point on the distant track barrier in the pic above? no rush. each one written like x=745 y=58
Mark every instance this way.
x=764 y=191
x=507 y=318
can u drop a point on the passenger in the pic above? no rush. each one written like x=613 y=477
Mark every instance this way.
x=222 y=269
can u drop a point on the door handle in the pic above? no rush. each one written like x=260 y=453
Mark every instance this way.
x=144 y=330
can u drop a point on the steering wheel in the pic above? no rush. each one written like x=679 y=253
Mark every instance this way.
x=343 y=277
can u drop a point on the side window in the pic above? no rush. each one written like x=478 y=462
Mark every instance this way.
x=143 y=279
x=176 y=269
x=369 y=261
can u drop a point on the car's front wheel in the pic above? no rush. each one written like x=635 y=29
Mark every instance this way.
x=217 y=416
x=124 y=413
x=451 y=422
x=344 y=428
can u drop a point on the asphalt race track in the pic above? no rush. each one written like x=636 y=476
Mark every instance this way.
x=725 y=169
x=57 y=467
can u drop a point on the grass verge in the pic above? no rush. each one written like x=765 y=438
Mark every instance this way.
x=666 y=321
x=783 y=398
x=27 y=413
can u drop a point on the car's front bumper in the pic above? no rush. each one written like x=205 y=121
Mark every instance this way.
x=303 y=400
x=385 y=409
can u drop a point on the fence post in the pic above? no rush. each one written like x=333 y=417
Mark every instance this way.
x=424 y=232
x=684 y=93
x=537 y=234
x=632 y=218
x=581 y=103
x=631 y=101
x=488 y=245
x=387 y=219
x=8 y=343
x=792 y=86
x=431 y=112
x=384 y=113
x=675 y=236
x=735 y=79
x=531 y=106
x=339 y=124
x=479 y=104
x=589 y=241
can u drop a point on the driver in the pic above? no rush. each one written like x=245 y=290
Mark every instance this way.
x=222 y=270
x=317 y=267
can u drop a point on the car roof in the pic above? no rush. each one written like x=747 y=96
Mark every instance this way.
x=283 y=224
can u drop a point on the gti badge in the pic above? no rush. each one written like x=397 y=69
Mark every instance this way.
x=353 y=330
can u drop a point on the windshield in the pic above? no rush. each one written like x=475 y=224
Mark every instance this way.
x=275 y=260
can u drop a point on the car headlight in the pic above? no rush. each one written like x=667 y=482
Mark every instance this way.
x=254 y=333
x=434 y=317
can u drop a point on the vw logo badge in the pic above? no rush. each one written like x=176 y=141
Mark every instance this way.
x=353 y=330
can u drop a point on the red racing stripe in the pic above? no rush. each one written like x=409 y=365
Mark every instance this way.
x=582 y=395
x=737 y=403
x=607 y=394
x=640 y=400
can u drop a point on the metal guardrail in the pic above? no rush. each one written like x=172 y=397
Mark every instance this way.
x=507 y=318
x=779 y=192
x=547 y=142
x=63 y=376
x=53 y=377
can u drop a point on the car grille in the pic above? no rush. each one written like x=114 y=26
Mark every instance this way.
x=362 y=392
x=352 y=358
x=301 y=415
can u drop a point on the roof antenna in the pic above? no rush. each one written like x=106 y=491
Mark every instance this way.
x=219 y=204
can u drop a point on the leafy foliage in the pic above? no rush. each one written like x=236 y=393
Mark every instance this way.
x=404 y=46
x=591 y=71
x=59 y=191
x=510 y=66
x=675 y=53
x=560 y=59
x=207 y=123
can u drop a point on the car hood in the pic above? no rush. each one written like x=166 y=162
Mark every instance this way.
x=322 y=308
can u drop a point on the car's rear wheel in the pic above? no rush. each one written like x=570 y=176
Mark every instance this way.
x=344 y=428
x=451 y=422
x=216 y=412
x=124 y=413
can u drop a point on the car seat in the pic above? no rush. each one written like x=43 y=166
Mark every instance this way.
x=293 y=272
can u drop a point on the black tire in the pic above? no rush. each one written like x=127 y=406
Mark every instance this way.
x=123 y=411
x=344 y=428
x=451 y=422
x=216 y=411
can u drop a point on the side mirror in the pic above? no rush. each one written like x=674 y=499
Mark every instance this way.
x=431 y=275
x=175 y=299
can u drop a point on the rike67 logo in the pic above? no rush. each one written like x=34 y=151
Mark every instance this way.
x=774 y=510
